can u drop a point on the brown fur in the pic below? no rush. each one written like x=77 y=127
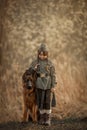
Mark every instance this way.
x=30 y=106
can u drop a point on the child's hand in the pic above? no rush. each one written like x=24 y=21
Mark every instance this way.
x=36 y=66
x=52 y=90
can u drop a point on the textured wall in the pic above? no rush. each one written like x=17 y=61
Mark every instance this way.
x=62 y=25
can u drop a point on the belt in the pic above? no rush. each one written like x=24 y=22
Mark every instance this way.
x=42 y=75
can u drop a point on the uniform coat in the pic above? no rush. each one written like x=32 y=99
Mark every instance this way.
x=45 y=81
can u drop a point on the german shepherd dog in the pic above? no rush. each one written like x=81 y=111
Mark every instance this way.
x=29 y=96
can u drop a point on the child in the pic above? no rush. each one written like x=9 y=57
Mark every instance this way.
x=45 y=84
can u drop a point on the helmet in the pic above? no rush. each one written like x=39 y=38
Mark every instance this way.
x=42 y=48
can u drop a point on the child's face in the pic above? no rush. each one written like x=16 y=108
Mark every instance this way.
x=42 y=56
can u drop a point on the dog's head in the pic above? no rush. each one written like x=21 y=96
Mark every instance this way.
x=29 y=78
x=29 y=82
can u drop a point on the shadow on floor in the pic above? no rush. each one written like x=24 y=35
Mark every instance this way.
x=67 y=124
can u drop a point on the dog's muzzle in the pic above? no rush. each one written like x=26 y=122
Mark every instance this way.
x=29 y=84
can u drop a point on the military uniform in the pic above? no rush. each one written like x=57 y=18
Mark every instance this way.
x=46 y=80
x=45 y=73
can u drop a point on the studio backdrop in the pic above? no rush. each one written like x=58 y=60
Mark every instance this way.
x=62 y=26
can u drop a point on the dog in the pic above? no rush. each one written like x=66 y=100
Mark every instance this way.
x=29 y=96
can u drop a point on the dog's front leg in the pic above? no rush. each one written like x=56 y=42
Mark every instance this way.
x=34 y=113
x=24 y=119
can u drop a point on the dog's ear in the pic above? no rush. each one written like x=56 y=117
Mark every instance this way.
x=34 y=76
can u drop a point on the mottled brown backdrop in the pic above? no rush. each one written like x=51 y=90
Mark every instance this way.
x=24 y=25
